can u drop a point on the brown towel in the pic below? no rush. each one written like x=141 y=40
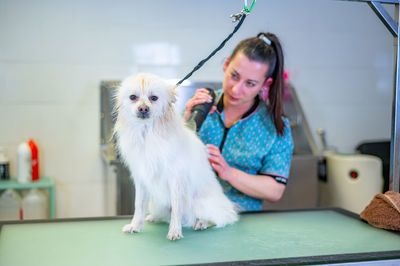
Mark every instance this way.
x=383 y=211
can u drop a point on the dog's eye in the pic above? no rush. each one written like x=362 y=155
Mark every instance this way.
x=153 y=98
x=132 y=97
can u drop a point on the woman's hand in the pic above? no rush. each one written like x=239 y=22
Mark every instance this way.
x=200 y=96
x=257 y=186
x=218 y=163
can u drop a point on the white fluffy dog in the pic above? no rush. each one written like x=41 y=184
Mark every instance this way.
x=167 y=161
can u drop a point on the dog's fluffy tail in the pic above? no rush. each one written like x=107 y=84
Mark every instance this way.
x=217 y=208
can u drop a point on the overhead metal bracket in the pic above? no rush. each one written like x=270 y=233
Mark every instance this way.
x=385 y=17
x=381 y=12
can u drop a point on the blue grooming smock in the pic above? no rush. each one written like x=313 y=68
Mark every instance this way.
x=251 y=145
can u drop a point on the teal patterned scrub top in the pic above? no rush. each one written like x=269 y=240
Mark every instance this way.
x=251 y=145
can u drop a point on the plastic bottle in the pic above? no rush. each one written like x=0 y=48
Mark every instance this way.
x=4 y=165
x=24 y=163
x=34 y=160
x=35 y=205
x=10 y=205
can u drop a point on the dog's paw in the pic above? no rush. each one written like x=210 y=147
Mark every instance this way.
x=174 y=234
x=200 y=224
x=132 y=228
x=152 y=219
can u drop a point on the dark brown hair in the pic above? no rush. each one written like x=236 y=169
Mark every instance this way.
x=266 y=48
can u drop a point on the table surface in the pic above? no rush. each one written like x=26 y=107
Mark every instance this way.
x=277 y=236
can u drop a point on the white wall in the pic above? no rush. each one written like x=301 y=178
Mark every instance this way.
x=53 y=55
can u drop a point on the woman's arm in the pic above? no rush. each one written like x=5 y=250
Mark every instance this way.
x=258 y=186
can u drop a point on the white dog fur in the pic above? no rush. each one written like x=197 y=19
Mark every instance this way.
x=167 y=161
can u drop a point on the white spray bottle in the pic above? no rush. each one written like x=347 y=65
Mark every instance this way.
x=24 y=163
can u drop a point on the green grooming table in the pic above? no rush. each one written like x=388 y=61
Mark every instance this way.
x=274 y=237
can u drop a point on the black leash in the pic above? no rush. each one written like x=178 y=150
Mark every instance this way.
x=242 y=16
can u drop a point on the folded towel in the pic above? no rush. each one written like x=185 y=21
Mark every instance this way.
x=383 y=211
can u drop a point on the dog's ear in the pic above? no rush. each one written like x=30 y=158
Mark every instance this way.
x=171 y=90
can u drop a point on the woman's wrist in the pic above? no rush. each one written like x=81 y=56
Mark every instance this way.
x=231 y=174
x=186 y=115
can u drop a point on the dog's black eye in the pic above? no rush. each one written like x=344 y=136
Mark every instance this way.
x=153 y=98
x=133 y=97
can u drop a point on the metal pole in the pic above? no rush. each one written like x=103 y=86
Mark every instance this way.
x=395 y=139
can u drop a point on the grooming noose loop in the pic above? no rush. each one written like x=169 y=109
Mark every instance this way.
x=251 y=8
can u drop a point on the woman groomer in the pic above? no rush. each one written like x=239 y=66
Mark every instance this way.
x=248 y=138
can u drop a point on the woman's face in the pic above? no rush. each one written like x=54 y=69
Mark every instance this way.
x=243 y=80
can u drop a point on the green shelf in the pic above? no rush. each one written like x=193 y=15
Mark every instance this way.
x=42 y=183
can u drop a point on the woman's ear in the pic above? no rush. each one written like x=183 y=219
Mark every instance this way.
x=228 y=59
x=265 y=89
x=268 y=82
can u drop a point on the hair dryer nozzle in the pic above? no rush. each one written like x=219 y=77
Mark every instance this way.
x=200 y=112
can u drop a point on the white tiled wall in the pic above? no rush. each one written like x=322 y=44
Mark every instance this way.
x=53 y=55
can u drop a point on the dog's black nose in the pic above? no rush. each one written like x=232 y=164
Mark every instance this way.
x=144 y=109
x=143 y=112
